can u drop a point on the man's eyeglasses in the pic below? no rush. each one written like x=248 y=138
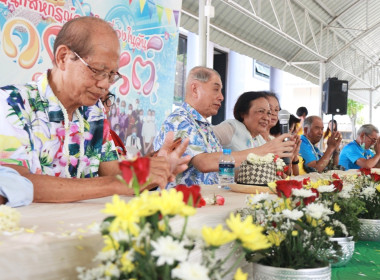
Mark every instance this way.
x=372 y=139
x=110 y=99
x=100 y=75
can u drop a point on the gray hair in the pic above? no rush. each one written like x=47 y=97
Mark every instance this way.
x=308 y=121
x=367 y=129
x=201 y=73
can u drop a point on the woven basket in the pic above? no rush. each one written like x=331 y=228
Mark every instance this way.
x=256 y=174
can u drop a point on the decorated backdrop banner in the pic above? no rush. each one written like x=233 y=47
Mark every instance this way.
x=148 y=33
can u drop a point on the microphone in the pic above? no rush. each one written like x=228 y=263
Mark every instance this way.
x=283 y=117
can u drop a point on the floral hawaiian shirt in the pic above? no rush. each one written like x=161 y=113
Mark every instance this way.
x=32 y=132
x=186 y=122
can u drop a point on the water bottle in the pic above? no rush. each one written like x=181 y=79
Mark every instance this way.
x=226 y=169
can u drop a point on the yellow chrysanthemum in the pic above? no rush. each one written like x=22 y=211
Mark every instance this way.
x=313 y=222
x=248 y=233
x=240 y=275
x=294 y=233
x=217 y=237
x=171 y=203
x=272 y=185
x=110 y=244
x=378 y=188
x=126 y=263
x=276 y=237
x=336 y=207
x=146 y=203
x=329 y=231
x=126 y=215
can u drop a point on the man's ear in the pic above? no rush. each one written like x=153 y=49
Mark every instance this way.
x=195 y=89
x=62 y=55
x=305 y=130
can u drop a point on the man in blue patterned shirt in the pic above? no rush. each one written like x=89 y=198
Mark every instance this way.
x=203 y=99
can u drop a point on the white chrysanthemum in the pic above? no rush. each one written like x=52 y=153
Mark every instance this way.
x=368 y=192
x=121 y=235
x=194 y=233
x=346 y=191
x=302 y=193
x=254 y=199
x=292 y=214
x=91 y=274
x=342 y=226
x=326 y=188
x=9 y=218
x=109 y=255
x=168 y=250
x=190 y=271
x=318 y=211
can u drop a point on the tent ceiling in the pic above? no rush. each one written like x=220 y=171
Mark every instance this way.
x=296 y=35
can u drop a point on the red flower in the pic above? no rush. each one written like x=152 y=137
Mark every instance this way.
x=338 y=184
x=365 y=171
x=335 y=176
x=285 y=187
x=279 y=173
x=140 y=167
x=219 y=200
x=375 y=177
x=311 y=199
x=305 y=181
x=286 y=168
x=195 y=192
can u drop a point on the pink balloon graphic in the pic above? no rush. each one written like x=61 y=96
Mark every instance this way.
x=124 y=88
x=135 y=79
x=125 y=58
x=51 y=31
x=155 y=43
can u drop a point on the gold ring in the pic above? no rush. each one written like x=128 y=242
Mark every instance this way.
x=336 y=138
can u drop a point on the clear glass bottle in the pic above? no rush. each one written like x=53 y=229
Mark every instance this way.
x=226 y=168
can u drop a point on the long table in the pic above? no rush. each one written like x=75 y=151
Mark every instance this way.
x=57 y=238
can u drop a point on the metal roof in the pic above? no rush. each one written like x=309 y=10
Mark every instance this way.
x=297 y=35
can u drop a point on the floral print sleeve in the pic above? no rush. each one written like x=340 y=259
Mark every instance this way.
x=186 y=122
x=32 y=133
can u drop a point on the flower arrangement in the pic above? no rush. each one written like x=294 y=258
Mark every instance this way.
x=9 y=218
x=296 y=223
x=281 y=167
x=142 y=243
x=368 y=191
x=339 y=196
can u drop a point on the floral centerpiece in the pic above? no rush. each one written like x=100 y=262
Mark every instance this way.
x=296 y=223
x=368 y=190
x=280 y=165
x=141 y=243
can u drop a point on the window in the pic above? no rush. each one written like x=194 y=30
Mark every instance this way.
x=261 y=70
x=180 y=73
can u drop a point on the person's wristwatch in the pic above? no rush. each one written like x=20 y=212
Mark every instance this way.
x=296 y=162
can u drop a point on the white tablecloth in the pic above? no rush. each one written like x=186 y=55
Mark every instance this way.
x=57 y=238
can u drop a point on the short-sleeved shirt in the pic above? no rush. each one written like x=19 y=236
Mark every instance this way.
x=186 y=122
x=234 y=135
x=17 y=189
x=32 y=132
x=308 y=151
x=351 y=153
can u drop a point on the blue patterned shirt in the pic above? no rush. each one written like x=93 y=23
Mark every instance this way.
x=186 y=122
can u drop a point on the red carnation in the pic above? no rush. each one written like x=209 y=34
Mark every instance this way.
x=305 y=181
x=365 y=171
x=338 y=184
x=285 y=187
x=375 y=177
x=311 y=199
x=335 y=176
x=195 y=192
x=140 y=167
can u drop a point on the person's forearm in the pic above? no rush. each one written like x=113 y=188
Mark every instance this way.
x=324 y=160
x=372 y=162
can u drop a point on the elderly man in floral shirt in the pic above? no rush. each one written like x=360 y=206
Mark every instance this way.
x=51 y=130
x=203 y=99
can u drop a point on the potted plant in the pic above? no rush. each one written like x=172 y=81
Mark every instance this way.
x=368 y=191
x=296 y=223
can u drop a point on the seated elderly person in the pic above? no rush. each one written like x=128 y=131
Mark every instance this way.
x=357 y=154
x=15 y=190
x=52 y=129
x=314 y=159
x=203 y=99
x=252 y=118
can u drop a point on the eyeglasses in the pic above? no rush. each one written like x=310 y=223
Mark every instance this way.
x=100 y=75
x=373 y=140
x=110 y=99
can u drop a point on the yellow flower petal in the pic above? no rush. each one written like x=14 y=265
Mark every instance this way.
x=240 y=275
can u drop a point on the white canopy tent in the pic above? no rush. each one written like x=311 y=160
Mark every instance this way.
x=312 y=39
